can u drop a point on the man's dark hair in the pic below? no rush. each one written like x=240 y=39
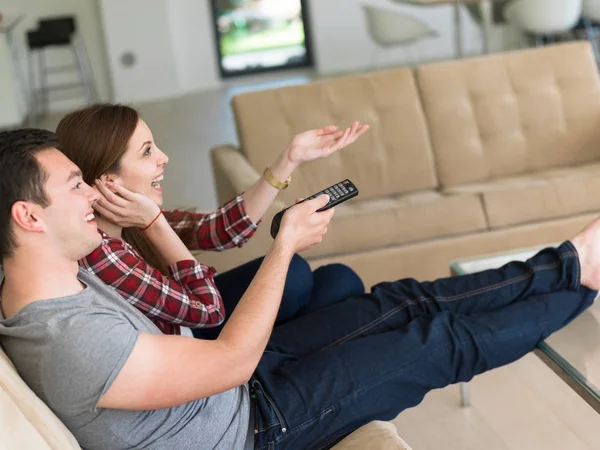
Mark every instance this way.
x=21 y=176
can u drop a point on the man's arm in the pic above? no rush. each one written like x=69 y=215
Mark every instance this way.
x=166 y=371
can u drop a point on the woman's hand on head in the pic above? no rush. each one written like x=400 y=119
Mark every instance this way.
x=322 y=142
x=123 y=207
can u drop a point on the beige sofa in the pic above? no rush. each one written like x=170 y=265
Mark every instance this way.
x=464 y=157
x=26 y=423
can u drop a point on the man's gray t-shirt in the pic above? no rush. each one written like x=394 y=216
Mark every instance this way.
x=70 y=350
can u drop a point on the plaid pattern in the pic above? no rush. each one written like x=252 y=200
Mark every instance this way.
x=188 y=296
x=227 y=227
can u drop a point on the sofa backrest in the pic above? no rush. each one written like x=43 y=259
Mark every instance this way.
x=25 y=421
x=512 y=113
x=393 y=157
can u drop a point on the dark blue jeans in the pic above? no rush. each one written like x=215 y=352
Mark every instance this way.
x=304 y=289
x=373 y=355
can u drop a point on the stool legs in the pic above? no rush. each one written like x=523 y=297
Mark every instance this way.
x=31 y=95
x=40 y=88
x=85 y=71
x=44 y=90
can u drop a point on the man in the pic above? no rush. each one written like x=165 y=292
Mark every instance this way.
x=118 y=383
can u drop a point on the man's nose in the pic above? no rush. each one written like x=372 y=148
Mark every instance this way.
x=92 y=194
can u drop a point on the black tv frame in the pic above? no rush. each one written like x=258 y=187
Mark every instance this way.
x=308 y=62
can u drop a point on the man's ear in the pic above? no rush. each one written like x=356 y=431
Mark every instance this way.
x=25 y=216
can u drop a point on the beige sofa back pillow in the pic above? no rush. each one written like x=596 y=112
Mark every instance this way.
x=25 y=421
x=393 y=157
x=512 y=113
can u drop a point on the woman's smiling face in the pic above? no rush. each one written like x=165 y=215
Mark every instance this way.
x=142 y=165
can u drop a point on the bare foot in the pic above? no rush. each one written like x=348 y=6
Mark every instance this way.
x=587 y=243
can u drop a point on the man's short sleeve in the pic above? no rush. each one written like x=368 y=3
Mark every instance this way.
x=85 y=356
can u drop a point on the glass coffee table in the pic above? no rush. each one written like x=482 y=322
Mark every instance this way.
x=573 y=353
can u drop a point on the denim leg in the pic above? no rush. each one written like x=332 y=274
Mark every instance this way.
x=233 y=284
x=310 y=402
x=394 y=304
x=333 y=283
x=549 y=270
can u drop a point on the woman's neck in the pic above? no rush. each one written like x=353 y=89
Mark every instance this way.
x=113 y=230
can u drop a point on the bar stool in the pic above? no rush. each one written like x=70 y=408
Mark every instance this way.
x=543 y=19
x=390 y=28
x=60 y=32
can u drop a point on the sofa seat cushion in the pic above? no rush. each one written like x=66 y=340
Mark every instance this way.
x=375 y=435
x=26 y=421
x=545 y=195
x=365 y=225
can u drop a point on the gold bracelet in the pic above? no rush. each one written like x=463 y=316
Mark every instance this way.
x=281 y=185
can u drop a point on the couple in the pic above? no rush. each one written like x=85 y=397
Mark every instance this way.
x=118 y=382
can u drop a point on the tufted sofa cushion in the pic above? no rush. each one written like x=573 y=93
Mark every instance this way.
x=399 y=154
x=513 y=113
x=400 y=219
x=550 y=194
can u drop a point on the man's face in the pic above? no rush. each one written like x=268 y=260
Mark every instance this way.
x=68 y=220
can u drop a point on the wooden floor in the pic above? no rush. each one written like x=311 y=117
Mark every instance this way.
x=523 y=406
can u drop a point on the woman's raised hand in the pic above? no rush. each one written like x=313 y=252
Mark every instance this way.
x=322 y=142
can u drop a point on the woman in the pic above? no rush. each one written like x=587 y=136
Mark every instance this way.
x=145 y=252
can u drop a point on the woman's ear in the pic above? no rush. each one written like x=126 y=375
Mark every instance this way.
x=108 y=177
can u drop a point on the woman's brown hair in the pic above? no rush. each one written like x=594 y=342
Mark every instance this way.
x=95 y=138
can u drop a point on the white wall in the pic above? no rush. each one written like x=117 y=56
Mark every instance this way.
x=173 y=41
x=192 y=38
x=12 y=112
x=140 y=28
x=88 y=20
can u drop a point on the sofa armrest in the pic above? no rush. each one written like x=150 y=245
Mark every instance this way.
x=232 y=172
x=376 y=435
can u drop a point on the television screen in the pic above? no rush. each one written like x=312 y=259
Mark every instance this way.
x=260 y=35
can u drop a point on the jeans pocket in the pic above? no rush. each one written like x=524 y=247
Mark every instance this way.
x=260 y=394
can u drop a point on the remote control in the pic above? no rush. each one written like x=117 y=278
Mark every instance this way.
x=338 y=193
